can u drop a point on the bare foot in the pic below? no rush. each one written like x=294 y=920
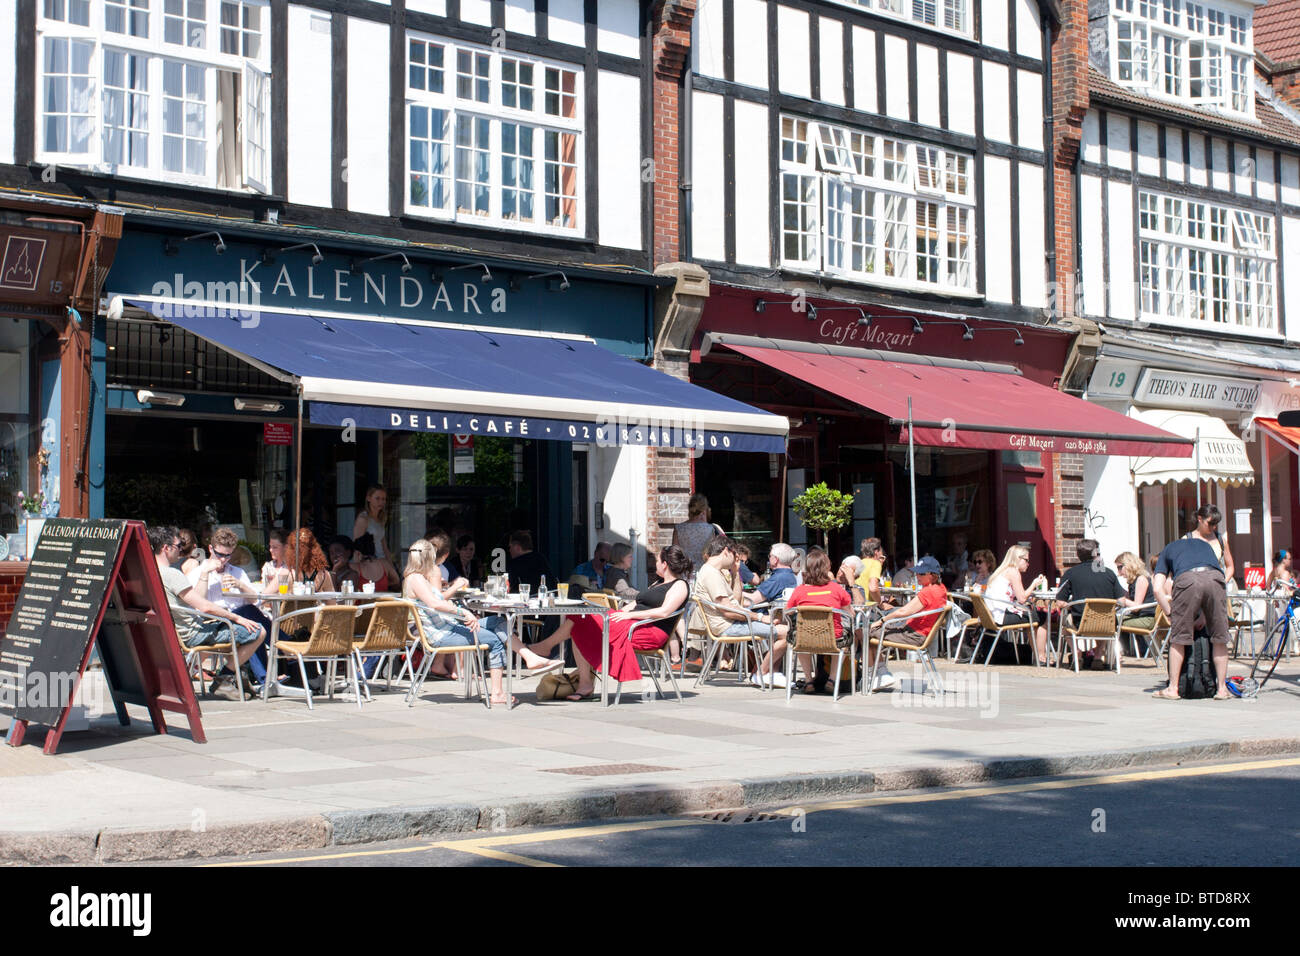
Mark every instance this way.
x=503 y=700
x=1167 y=694
x=582 y=693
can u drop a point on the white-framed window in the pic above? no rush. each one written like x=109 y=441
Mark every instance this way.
x=493 y=138
x=952 y=16
x=876 y=208
x=150 y=88
x=1183 y=51
x=1201 y=262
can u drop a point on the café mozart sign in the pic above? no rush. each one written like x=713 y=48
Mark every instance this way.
x=1167 y=388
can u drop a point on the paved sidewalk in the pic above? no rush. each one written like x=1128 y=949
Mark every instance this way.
x=276 y=776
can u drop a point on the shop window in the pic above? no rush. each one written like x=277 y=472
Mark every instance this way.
x=920 y=196
x=1205 y=263
x=1022 y=507
x=1162 y=52
x=497 y=143
x=117 y=97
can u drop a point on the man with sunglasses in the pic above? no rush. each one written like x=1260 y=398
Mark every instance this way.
x=224 y=584
x=183 y=597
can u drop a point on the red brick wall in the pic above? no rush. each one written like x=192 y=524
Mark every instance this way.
x=671 y=20
x=11 y=582
x=1068 y=475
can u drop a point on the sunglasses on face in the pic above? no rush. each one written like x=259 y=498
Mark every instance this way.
x=223 y=555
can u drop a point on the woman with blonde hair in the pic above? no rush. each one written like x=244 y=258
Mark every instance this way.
x=372 y=521
x=1008 y=597
x=446 y=625
x=1134 y=570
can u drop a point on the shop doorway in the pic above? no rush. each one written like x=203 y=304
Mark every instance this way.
x=1025 y=514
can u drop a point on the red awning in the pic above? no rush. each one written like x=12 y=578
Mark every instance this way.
x=1287 y=436
x=971 y=408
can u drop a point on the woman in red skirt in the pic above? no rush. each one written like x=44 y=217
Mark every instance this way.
x=662 y=604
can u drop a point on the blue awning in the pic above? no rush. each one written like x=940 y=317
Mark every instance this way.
x=413 y=376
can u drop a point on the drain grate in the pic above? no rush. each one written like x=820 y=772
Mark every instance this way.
x=737 y=816
x=607 y=769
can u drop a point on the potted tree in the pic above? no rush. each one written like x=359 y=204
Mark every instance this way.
x=823 y=509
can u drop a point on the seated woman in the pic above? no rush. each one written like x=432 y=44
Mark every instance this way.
x=369 y=567
x=620 y=563
x=1133 y=569
x=1281 y=570
x=1009 y=599
x=304 y=557
x=817 y=590
x=662 y=604
x=981 y=568
x=446 y=625
x=340 y=554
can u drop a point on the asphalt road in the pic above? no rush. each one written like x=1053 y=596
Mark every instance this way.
x=1244 y=813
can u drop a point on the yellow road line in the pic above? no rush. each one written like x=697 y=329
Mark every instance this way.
x=468 y=846
x=484 y=846
x=512 y=839
x=1054 y=784
x=479 y=842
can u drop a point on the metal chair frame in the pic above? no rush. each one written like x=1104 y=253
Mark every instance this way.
x=654 y=658
x=227 y=649
x=989 y=625
x=1098 y=622
x=928 y=667
x=756 y=643
x=311 y=652
x=476 y=672
x=1151 y=634
x=823 y=618
x=382 y=638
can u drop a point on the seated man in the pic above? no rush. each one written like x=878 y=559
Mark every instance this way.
x=1089 y=578
x=727 y=618
x=781 y=577
x=594 y=570
x=221 y=583
x=526 y=566
x=932 y=597
x=873 y=564
x=183 y=599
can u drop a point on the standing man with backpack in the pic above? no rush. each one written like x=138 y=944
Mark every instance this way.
x=1199 y=589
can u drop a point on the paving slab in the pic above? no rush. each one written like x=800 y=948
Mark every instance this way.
x=286 y=777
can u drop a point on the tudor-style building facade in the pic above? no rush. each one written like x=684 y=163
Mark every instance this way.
x=458 y=155
x=876 y=176
x=1184 y=211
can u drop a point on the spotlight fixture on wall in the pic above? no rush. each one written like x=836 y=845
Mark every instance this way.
x=760 y=305
x=171 y=247
x=967 y=334
x=863 y=319
x=563 y=284
x=917 y=329
x=1020 y=339
x=268 y=256
x=485 y=277
x=357 y=264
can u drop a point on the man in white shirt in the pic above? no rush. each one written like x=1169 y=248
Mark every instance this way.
x=223 y=584
x=183 y=597
x=712 y=584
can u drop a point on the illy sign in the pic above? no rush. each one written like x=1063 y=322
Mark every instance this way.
x=1172 y=389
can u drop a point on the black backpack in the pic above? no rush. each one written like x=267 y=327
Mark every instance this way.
x=1198 y=679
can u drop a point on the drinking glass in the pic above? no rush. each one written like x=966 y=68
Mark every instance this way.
x=524 y=591
x=563 y=588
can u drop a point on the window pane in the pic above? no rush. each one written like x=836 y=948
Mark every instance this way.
x=1022 y=506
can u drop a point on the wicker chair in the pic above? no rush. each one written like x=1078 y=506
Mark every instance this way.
x=928 y=668
x=331 y=640
x=1159 y=626
x=1097 y=623
x=988 y=625
x=475 y=652
x=226 y=649
x=814 y=629
x=601 y=599
x=701 y=626
x=387 y=635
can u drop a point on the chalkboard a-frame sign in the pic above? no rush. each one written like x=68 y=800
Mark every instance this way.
x=92 y=584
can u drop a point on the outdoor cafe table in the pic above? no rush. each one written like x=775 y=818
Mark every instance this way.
x=515 y=610
x=319 y=597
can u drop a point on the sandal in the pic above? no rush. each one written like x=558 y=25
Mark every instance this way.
x=1165 y=694
x=589 y=695
x=504 y=701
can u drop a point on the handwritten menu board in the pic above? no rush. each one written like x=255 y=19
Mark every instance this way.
x=54 y=618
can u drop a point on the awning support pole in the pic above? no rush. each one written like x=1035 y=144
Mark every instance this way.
x=1267 y=517
x=1198 y=469
x=911 y=475
x=297 y=477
